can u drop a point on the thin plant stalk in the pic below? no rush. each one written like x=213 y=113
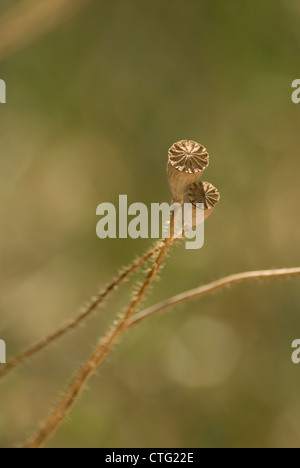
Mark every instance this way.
x=99 y=354
x=85 y=314
x=105 y=345
x=212 y=288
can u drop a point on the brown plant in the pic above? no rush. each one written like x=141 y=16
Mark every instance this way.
x=195 y=192
x=187 y=168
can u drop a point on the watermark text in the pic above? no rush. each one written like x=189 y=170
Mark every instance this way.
x=137 y=221
x=2 y=352
x=2 y=92
x=296 y=93
x=296 y=353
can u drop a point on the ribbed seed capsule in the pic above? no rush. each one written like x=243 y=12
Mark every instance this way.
x=202 y=193
x=186 y=163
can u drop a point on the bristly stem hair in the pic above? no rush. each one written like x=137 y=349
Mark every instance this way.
x=211 y=288
x=99 y=354
x=105 y=345
x=96 y=302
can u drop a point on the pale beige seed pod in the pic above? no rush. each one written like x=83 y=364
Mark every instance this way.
x=186 y=163
x=202 y=193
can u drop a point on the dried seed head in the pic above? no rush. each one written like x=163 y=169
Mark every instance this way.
x=186 y=163
x=204 y=192
x=201 y=193
x=188 y=156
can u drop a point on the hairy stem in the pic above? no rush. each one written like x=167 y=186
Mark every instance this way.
x=99 y=354
x=213 y=287
x=86 y=313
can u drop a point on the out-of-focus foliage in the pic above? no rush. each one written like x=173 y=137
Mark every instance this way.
x=92 y=110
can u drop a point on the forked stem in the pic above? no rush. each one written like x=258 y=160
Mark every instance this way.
x=99 y=354
x=106 y=344
x=86 y=313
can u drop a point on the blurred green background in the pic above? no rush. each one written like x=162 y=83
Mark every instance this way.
x=92 y=109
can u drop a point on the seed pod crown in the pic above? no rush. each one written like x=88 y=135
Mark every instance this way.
x=205 y=193
x=186 y=163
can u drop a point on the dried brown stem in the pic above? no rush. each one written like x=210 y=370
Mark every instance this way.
x=31 y=19
x=211 y=288
x=106 y=344
x=99 y=354
x=86 y=313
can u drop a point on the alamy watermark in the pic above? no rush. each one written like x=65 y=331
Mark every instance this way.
x=138 y=222
x=296 y=93
x=2 y=92
x=296 y=353
x=2 y=352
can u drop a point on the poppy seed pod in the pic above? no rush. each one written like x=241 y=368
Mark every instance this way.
x=202 y=193
x=186 y=163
